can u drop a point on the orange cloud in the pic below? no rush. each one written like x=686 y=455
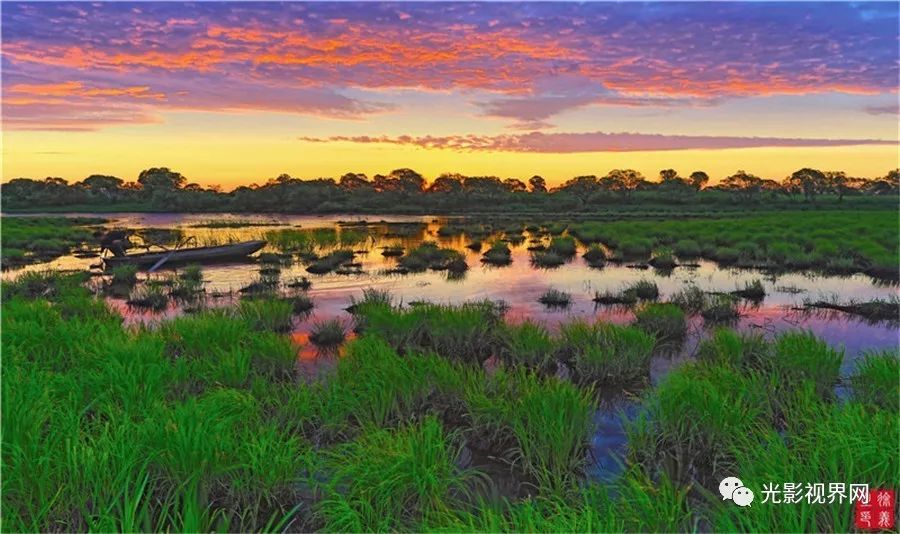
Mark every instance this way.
x=74 y=88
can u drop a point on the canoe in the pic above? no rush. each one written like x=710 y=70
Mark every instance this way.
x=185 y=255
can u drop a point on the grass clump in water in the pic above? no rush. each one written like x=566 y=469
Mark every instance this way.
x=720 y=309
x=430 y=256
x=663 y=260
x=149 y=297
x=687 y=248
x=691 y=299
x=554 y=298
x=644 y=290
x=393 y=251
x=664 y=320
x=302 y=283
x=267 y=314
x=634 y=248
x=498 y=254
x=301 y=304
x=330 y=262
x=595 y=256
x=691 y=420
x=801 y=356
x=607 y=297
x=328 y=334
x=563 y=246
x=465 y=332
x=528 y=344
x=752 y=290
x=640 y=290
x=547 y=259
x=124 y=275
x=605 y=353
x=542 y=424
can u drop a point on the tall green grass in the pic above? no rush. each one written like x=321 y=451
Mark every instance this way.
x=876 y=380
x=665 y=321
x=113 y=429
x=391 y=480
x=200 y=423
x=606 y=353
x=465 y=332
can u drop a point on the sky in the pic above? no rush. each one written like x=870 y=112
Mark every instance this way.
x=232 y=93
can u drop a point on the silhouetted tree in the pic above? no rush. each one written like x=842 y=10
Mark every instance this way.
x=160 y=178
x=483 y=188
x=514 y=185
x=581 y=187
x=537 y=184
x=743 y=184
x=625 y=180
x=406 y=181
x=699 y=179
x=447 y=183
x=354 y=181
x=671 y=183
x=810 y=181
x=101 y=183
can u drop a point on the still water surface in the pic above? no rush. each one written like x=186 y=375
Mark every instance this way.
x=518 y=284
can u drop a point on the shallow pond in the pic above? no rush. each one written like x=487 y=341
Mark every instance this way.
x=519 y=284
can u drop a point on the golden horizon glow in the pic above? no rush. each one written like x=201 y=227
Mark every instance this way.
x=231 y=163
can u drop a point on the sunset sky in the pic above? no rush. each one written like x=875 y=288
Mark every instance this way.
x=234 y=93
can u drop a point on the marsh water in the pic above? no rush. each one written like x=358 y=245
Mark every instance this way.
x=518 y=284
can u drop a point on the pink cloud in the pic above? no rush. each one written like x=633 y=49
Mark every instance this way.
x=562 y=143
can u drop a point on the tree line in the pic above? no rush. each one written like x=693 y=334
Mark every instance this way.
x=161 y=188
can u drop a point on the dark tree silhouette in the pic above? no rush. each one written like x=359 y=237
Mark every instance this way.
x=161 y=178
x=514 y=185
x=745 y=185
x=537 y=184
x=810 y=181
x=354 y=181
x=699 y=179
x=447 y=183
x=405 y=190
x=581 y=187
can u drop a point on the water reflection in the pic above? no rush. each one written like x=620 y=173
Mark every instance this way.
x=519 y=284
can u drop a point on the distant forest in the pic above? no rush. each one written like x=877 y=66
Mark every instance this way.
x=407 y=191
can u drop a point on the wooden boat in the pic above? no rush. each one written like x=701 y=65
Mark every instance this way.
x=187 y=255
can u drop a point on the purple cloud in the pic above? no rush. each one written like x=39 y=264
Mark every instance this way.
x=563 y=143
x=539 y=59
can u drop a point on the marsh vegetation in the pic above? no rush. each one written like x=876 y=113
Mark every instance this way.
x=204 y=422
x=447 y=397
